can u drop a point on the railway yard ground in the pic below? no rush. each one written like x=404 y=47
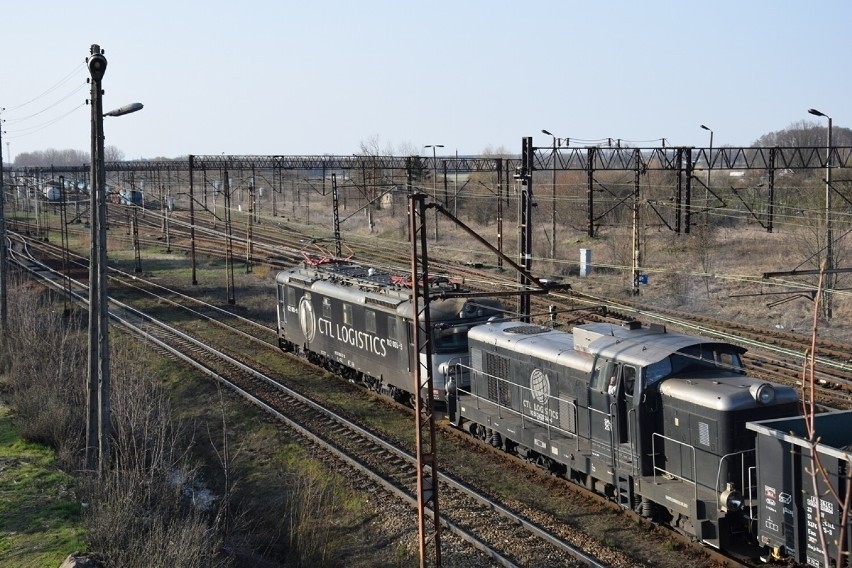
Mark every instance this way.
x=41 y=520
x=365 y=529
x=352 y=527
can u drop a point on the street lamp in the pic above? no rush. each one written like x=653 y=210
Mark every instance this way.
x=553 y=189
x=829 y=261
x=126 y=109
x=98 y=416
x=435 y=180
x=4 y=303
x=707 y=183
x=709 y=154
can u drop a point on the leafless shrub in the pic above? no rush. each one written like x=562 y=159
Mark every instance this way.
x=141 y=519
x=703 y=244
x=297 y=524
x=228 y=458
x=141 y=511
x=834 y=552
x=292 y=522
x=47 y=359
x=145 y=435
x=619 y=246
x=310 y=504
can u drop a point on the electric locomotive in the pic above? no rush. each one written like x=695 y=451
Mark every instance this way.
x=357 y=321
x=667 y=439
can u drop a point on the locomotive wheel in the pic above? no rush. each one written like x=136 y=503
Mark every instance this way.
x=476 y=430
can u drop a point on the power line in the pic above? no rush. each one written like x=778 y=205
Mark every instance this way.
x=33 y=129
x=76 y=90
x=61 y=82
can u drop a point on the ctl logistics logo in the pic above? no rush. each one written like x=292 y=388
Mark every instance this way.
x=344 y=334
x=540 y=386
x=539 y=406
x=307 y=319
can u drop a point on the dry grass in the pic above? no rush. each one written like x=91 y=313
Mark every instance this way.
x=719 y=275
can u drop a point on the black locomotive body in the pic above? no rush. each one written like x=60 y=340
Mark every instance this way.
x=357 y=321
x=668 y=439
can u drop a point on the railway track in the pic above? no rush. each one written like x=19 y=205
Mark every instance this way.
x=468 y=514
x=775 y=355
x=705 y=328
x=164 y=295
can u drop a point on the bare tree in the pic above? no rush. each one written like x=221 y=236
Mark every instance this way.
x=835 y=552
x=805 y=133
x=52 y=157
x=113 y=154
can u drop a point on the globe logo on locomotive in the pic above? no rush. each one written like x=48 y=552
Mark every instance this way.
x=540 y=386
x=307 y=319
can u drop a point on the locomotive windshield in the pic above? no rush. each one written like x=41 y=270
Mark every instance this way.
x=450 y=338
x=698 y=358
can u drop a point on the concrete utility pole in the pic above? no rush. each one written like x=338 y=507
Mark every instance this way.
x=829 y=237
x=4 y=305
x=97 y=430
x=192 y=219
x=709 y=165
x=229 y=241
x=553 y=190
x=435 y=181
x=250 y=223
x=98 y=386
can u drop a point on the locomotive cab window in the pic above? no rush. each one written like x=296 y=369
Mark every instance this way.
x=326 y=308
x=628 y=377
x=347 y=314
x=291 y=297
x=370 y=321
x=602 y=373
x=707 y=357
x=392 y=328
x=450 y=338
x=729 y=360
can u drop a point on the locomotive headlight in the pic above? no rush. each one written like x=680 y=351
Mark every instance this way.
x=731 y=500
x=763 y=393
x=450 y=387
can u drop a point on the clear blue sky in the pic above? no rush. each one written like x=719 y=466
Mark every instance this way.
x=323 y=77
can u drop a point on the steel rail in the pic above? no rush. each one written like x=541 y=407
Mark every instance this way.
x=133 y=321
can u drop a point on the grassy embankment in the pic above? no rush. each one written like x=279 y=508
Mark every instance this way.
x=40 y=519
